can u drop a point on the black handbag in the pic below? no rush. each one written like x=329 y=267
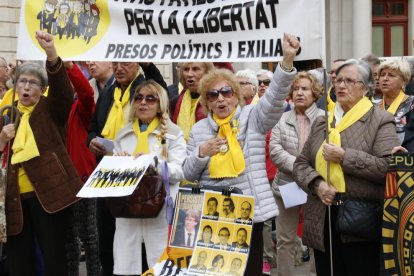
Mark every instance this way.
x=360 y=218
x=146 y=201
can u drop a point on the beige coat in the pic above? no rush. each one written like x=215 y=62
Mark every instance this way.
x=284 y=142
x=367 y=143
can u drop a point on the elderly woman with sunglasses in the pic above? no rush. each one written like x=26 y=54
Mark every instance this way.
x=149 y=130
x=228 y=147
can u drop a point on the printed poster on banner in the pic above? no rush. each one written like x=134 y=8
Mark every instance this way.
x=219 y=231
x=175 y=259
x=172 y=30
x=116 y=176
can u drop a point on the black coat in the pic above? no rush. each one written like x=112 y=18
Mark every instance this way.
x=106 y=100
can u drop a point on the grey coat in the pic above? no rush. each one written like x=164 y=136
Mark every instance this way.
x=254 y=122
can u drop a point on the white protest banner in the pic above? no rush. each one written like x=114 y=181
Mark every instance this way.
x=172 y=30
x=116 y=176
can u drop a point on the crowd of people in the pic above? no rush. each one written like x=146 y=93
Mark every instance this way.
x=253 y=130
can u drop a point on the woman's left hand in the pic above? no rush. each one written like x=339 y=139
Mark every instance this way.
x=398 y=149
x=291 y=46
x=333 y=153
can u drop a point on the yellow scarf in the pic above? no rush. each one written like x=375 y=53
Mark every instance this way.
x=395 y=104
x=75 y=19
x=186 y=117
x=142 y=145
x=116 y=117
x=24 y=145
x=230 y=163
x=337 y=178
x=329 y=103
x=255 y=99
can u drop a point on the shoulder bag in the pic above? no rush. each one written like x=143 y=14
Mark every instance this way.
x=146 y=201
x=360 y=218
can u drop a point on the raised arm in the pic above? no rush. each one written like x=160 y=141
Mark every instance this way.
x=60 y=93
x=271 y=106
x=151 y=72
x=84 y=92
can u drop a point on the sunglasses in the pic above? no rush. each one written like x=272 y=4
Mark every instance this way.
x=149 y=99
x=225 y=91
x=265 y=82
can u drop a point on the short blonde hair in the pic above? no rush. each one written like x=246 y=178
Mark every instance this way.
x=208 y=66
x=215 y=76
x=399 y=65
x=316 y=88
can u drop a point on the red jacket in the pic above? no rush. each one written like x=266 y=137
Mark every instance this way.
x=78 y=123
x=176 y=106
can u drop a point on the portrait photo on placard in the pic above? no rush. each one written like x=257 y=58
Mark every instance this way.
x=245 y=210
x=211 y=205
x=224 y=236
x=206 y=233
x=228 y=208
x=235 y=264
x=241 y=239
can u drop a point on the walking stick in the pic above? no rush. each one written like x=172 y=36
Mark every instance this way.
x=328 y=171
x=14 y=118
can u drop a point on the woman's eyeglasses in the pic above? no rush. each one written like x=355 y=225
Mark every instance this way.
x=32 y=83
x=213 y=94
x=265 y=82
x=149 y=99
x=348 y=81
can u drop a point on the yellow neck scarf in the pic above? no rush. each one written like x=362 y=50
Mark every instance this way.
x=75 y=19
x=142 y=145
x=230 y=163
x=329 y=103
x=395 y=104
x=336 y=174
x=186 y=116
x=116 y=117
x=24 y=145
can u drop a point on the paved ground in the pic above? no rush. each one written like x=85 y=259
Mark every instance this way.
x=301 y=270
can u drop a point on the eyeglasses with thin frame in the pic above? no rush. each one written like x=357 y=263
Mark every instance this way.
x=244 y=83
x=32 y=83
x=213 y=94
x=348 y=81
x=265 y=82
x=149 y=99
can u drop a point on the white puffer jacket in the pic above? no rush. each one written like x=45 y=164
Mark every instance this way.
x=254 y=122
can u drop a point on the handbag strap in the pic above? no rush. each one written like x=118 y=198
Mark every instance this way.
x=169 y=210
